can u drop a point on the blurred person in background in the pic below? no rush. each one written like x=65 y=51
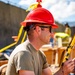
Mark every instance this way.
x=67 y=29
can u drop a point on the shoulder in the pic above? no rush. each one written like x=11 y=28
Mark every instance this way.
x=23 y=55
x=20 y=49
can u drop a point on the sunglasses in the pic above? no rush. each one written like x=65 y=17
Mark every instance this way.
x=50 y=28
x=41 y=26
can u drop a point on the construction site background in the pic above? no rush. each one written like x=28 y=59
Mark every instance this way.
x=10 y=19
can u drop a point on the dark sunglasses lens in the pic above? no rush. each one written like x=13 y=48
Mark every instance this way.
x=50 y=29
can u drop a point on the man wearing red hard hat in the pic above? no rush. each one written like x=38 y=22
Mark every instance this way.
x=27 y=58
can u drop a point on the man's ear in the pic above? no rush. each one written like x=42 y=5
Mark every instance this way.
x=38 y=29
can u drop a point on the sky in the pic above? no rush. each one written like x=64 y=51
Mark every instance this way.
x=62 y=10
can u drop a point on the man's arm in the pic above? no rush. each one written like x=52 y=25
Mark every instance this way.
x=66 y=69
x=25 y=72
x=46 y=71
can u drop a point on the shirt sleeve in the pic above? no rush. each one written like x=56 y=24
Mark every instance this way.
x=23 y=61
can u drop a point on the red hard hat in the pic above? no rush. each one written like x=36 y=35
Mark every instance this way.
x=40 y=15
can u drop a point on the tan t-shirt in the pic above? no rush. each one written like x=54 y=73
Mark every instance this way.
x=25 y=57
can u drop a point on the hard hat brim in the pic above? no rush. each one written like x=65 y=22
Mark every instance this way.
x=35 y=21
x=55 y=26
